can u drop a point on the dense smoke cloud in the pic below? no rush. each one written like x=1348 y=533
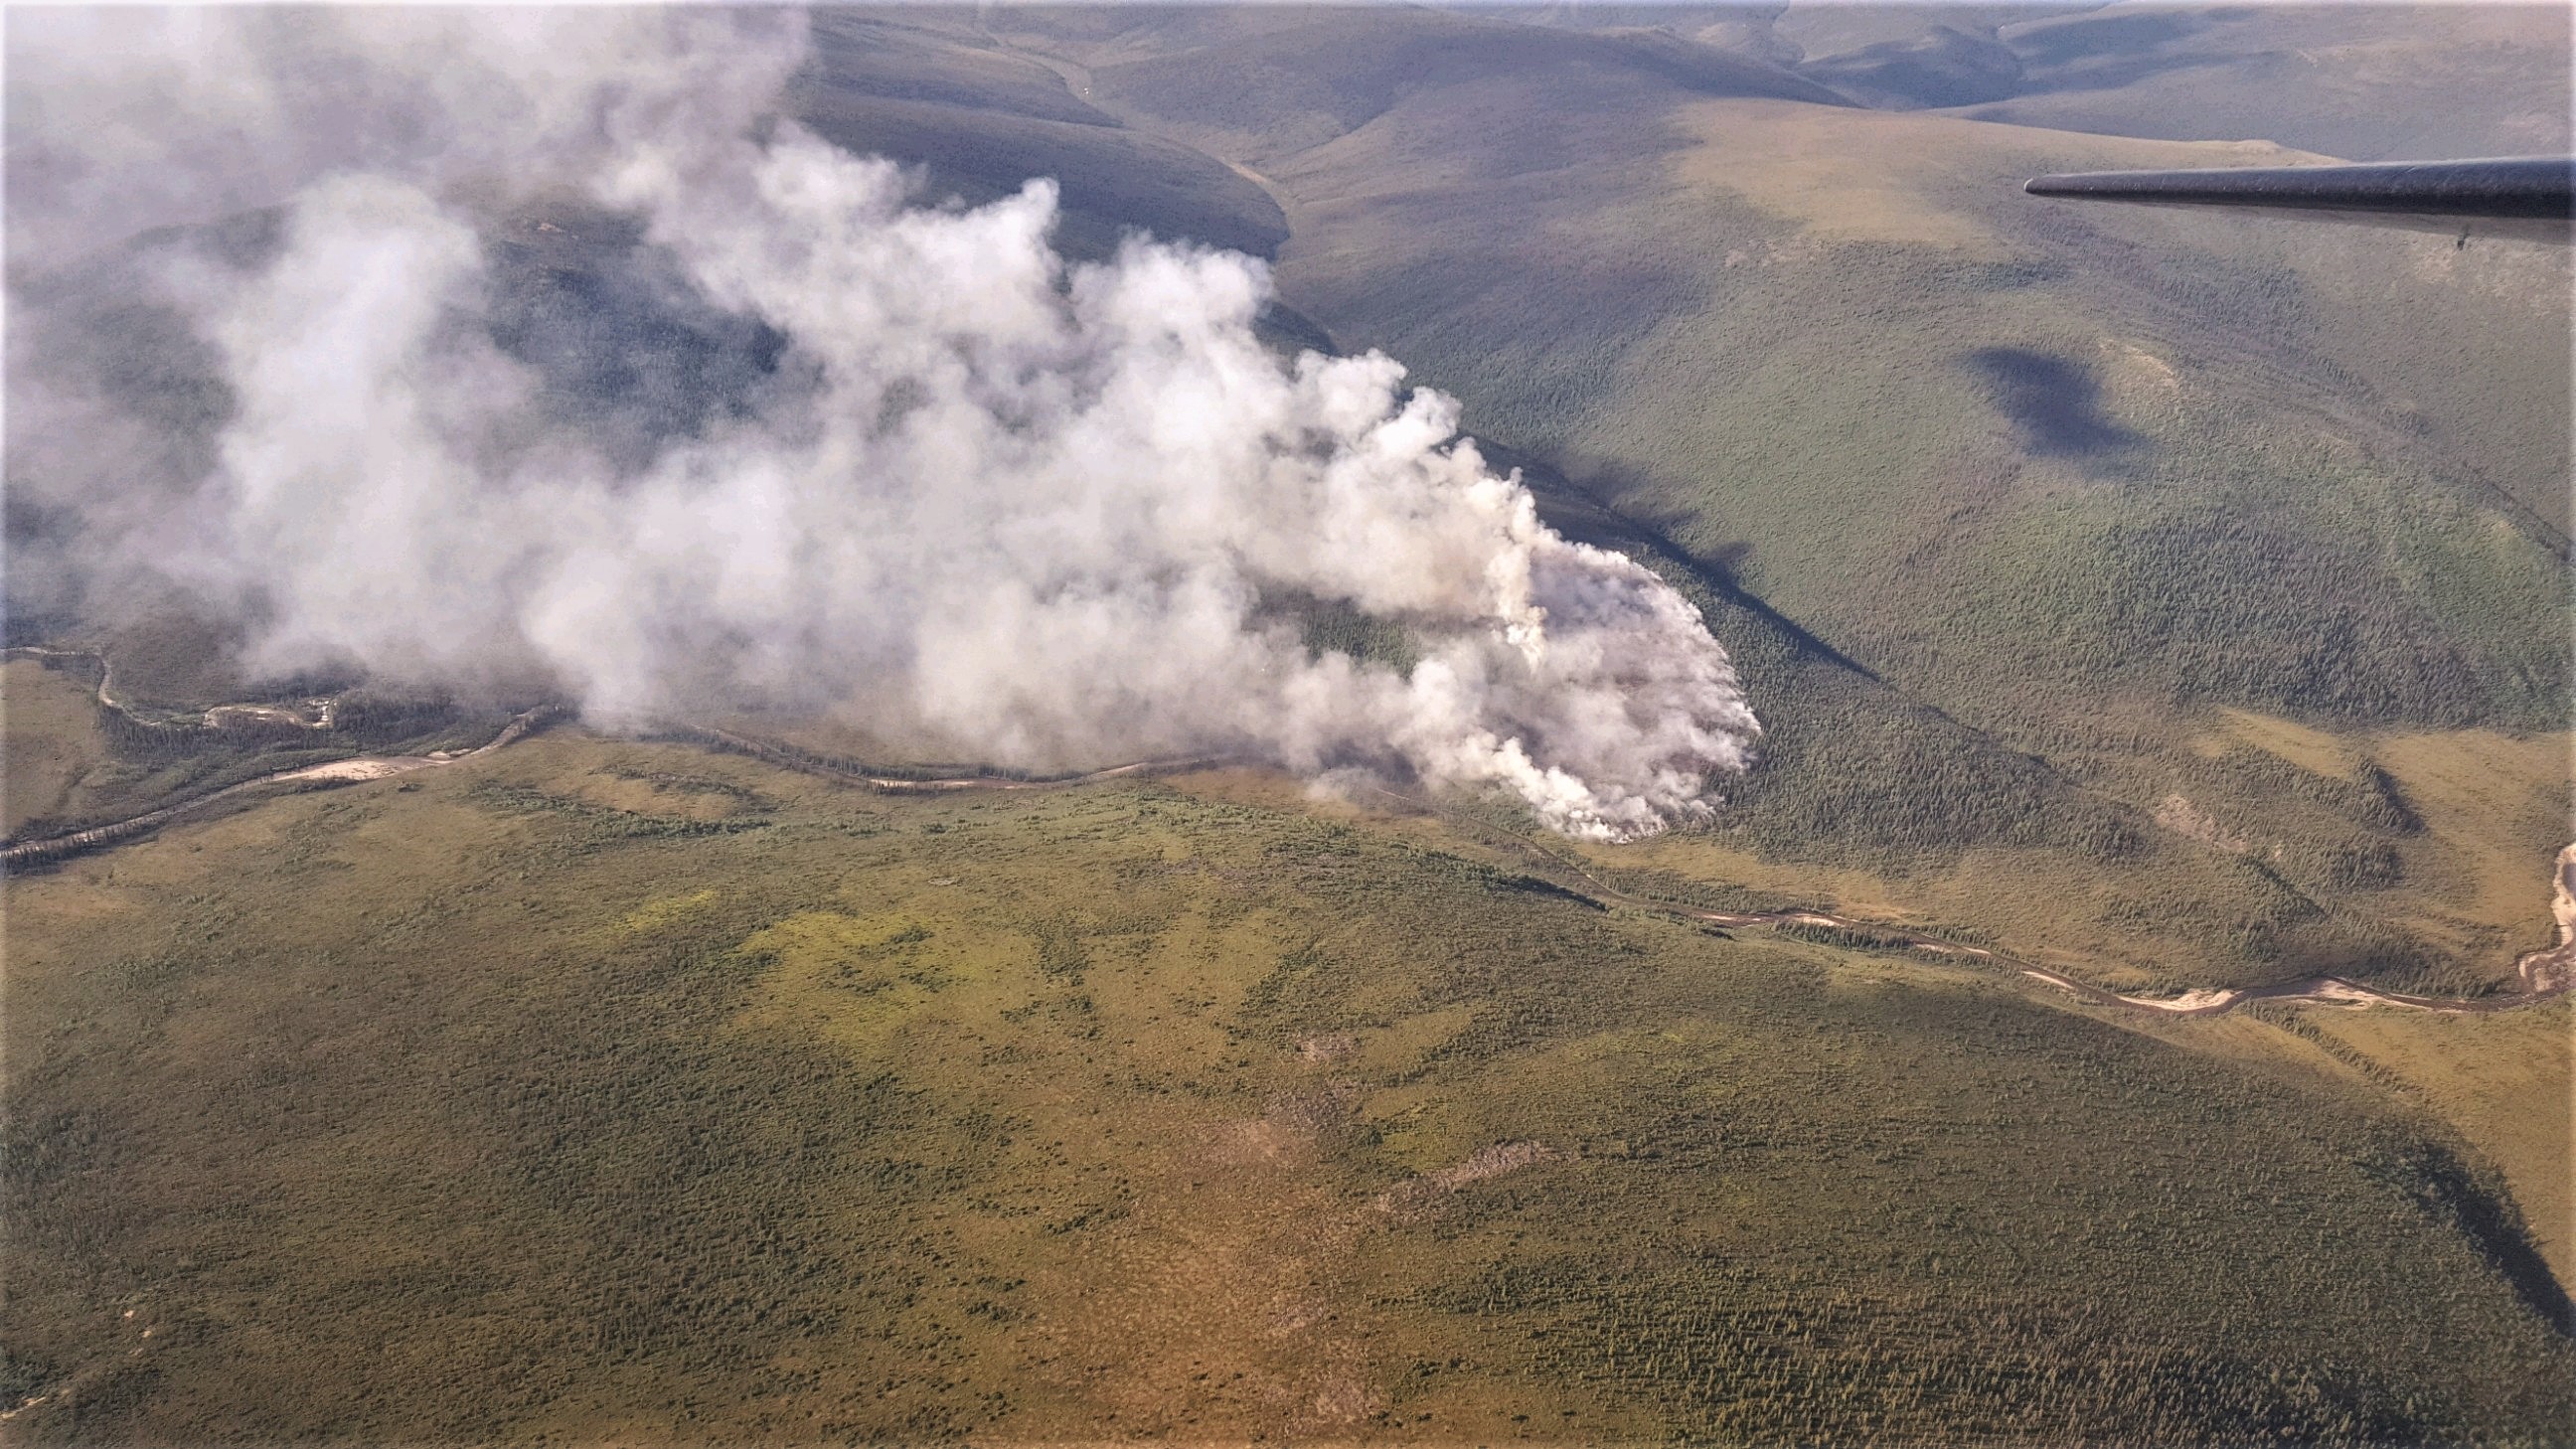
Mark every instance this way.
x=975 y=496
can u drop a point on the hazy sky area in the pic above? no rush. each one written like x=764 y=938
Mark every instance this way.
x=845 y=450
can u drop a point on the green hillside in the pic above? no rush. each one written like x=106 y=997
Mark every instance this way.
x=2365 y=83
x=2072 y=479
x=980 y=123
x=668 y=1096
x=2172 y=600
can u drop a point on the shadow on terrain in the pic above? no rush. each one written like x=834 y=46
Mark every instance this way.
x=2497 y=1232
x=2095 y=53
x=2089 y=37
x=1578 y=511
x=1940 y=67
x=2053 y=401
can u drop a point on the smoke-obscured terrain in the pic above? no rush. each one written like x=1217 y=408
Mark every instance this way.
x=920 y=471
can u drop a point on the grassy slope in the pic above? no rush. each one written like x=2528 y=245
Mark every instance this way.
x=2089 y=477
x=2381 y=82
x=2003 y=408
x=661 y=1094
x=2073 y=605
x=53 y=737
x=934 y=91
x=70 y=768
x=2507 y=1084
x=73 y=765
x=2363 y=83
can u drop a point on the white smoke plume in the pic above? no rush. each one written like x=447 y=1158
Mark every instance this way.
x=1029 y=511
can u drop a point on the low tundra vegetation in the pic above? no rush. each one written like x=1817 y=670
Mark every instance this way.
x=754 y=1103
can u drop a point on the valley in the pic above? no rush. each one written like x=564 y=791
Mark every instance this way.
x=2123 y=997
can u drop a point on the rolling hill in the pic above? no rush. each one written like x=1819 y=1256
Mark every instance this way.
x=2091 y=477
x=674 y=1096
x=2175 y=601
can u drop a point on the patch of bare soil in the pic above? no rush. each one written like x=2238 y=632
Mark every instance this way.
x=1415 y=1194
x=1215 y=1306
x=1316 y=1051
x=2179 y=815
x=364 y=767
x=2553 y=968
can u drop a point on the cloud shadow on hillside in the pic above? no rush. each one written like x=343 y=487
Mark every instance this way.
x=2052 y=401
